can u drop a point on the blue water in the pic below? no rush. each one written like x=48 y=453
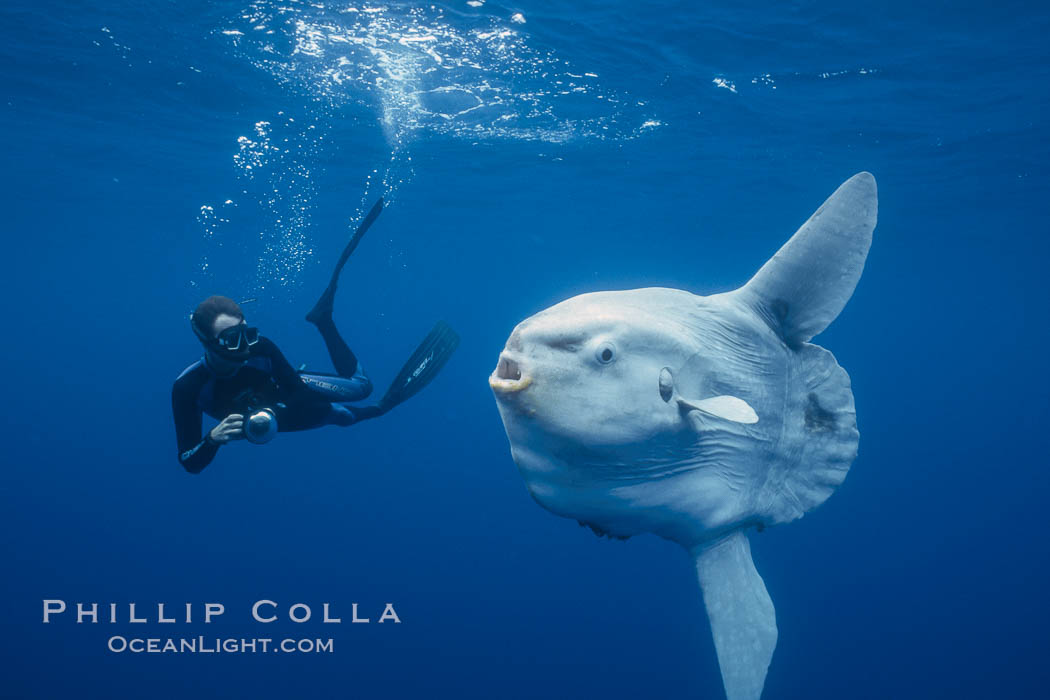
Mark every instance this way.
x=591 y=146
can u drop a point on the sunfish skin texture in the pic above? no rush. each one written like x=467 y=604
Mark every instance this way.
x=694 y=418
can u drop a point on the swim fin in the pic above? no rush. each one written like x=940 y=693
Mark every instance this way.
x=322 y=310
x=422 y=366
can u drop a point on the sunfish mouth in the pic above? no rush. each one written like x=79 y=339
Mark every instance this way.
x=508 y=378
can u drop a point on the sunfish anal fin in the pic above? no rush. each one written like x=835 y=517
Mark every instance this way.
x=743 y=622
x=726 y=407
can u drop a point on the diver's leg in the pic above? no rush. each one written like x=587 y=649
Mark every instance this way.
x=315 y=416
x=343 y=358
x=361 y=413
x=420 y=369
x=323 y=308
x=341 y=416
x=307 y=415
x=304 y=415
x=339 y=389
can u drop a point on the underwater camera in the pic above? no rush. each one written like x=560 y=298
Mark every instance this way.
x=260 y=422
x=261 y=426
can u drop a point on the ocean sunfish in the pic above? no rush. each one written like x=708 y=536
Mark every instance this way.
x=695 y=418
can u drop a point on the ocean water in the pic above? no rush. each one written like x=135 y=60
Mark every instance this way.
x=156 y=153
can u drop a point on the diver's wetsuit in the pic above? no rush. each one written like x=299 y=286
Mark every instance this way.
x=267 y=380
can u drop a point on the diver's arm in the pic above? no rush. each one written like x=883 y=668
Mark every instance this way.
x=195 y=453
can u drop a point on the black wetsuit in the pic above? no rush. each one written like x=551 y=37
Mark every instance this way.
x=266 y=379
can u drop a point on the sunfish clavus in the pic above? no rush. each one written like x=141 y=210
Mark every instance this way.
x=695 y=418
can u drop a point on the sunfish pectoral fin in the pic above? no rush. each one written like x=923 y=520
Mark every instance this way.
x=743 y=622
x=726 y=407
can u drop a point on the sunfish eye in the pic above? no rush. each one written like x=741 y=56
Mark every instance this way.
x=605 y=353
x=666 y=384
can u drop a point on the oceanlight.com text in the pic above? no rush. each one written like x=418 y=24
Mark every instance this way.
x=217 y=645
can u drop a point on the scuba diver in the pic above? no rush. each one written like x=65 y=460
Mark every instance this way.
x=244 y=381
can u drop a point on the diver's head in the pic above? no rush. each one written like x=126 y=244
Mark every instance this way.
x=218 y=323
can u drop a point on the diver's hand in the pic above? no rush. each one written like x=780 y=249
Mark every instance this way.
x=231 y=428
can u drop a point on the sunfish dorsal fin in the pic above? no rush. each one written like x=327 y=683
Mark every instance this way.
x=726 y=407
x=804 y=286
x=743 y=622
